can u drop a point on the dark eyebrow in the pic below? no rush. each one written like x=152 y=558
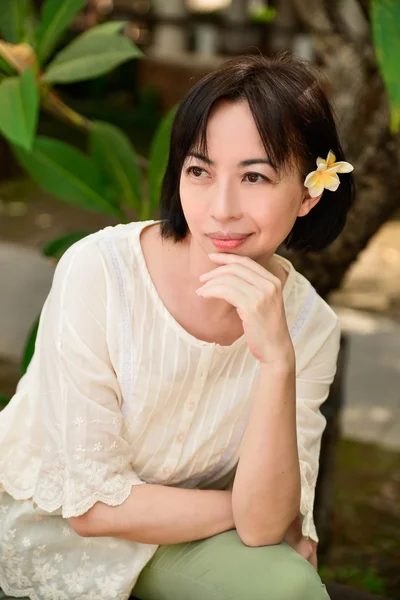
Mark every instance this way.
x=243 y=163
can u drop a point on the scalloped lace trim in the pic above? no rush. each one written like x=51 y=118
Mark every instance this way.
x=74 y=510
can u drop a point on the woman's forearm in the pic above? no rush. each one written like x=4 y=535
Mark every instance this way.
x=157 y=514
x=266 y=489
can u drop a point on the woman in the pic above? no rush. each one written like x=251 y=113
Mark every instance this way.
x=164 y=441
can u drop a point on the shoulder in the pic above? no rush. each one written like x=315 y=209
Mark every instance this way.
x=315 y=323
x=91 y=259
x=305 y=300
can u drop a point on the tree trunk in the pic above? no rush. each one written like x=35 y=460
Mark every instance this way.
x=344 y=51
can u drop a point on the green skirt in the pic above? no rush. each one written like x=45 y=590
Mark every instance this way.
x=223 y=568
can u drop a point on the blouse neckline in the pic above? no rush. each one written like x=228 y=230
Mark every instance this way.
x=287 y=265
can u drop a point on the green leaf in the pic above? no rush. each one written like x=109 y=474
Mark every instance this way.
x=5 y=67
x=55 y=18
x=385 y=22
x=114 y=155
x=19 y=108
x=109 y=28
x=29 y=348
x=54 y=249
x=91 y=54
x=13 y=19
x=159 y=153
x=68 y=174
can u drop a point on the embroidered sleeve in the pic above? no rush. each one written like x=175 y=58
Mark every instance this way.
x=312 y=389
x=77 y=453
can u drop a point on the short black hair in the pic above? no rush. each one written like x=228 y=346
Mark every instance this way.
x=296 y=124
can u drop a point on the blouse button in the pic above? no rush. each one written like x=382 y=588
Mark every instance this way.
x=166 y=470
x=191 y=405
x=180 y=437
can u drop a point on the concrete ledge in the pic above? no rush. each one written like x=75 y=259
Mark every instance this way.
x=25 y=277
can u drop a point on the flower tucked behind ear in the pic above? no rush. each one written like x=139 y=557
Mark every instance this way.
x=325 y=177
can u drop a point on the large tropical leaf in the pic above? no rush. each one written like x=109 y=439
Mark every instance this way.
x=54 y=249
x=112 y=151
x=55 y=18
x=159 y=153
x=14 y=18
x=91 y=54
x=109 y=28
x=385 y=21
x=68 y=174
x=19 y=107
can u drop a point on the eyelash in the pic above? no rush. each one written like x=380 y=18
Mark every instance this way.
x=189 y=170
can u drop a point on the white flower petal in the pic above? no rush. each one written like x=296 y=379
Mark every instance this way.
x=307 y=179
x=332 y=187
x=316 y=189
x=344 y=167
x=332 y=170
x=331 y=158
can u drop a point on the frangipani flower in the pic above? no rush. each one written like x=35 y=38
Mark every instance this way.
x=325 y=177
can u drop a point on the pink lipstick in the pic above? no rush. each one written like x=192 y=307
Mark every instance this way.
x=227 y=244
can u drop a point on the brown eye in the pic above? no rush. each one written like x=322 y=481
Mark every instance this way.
x=196 y=171
x=252 y=177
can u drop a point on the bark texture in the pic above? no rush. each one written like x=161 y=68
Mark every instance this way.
x=345 y=54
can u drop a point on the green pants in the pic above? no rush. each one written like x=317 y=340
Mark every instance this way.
x=223 y=568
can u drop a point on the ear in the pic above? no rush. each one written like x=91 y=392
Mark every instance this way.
x=307 y=203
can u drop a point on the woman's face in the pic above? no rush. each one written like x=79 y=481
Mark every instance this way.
x=228 y=196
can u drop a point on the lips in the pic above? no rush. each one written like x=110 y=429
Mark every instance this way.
x=228 y=236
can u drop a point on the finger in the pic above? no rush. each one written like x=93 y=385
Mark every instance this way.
x=256 y=279
x=314 y=563
x=231 y=280
x=227 y=258
x=230 y=293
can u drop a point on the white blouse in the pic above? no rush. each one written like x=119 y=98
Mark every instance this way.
x=119 y=394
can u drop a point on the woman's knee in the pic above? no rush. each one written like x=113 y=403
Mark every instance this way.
x=296 y=579
x=261 y=573
x=268 y=572
x=224 y=568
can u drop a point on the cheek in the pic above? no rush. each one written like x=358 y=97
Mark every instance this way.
x=193 y=196
x=277 y=215
x=192 y=207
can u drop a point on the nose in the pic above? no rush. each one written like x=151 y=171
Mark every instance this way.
x=225 y=203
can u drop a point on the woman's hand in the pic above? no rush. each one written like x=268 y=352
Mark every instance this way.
x=306 y=547
x=257 y=296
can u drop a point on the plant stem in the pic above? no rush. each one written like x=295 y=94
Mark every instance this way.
x=53 y=105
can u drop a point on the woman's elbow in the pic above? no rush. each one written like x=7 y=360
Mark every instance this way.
x=255 y=540
x=81 y=525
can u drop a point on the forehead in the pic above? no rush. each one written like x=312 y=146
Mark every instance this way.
x=231 y=128
x=231 y=136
